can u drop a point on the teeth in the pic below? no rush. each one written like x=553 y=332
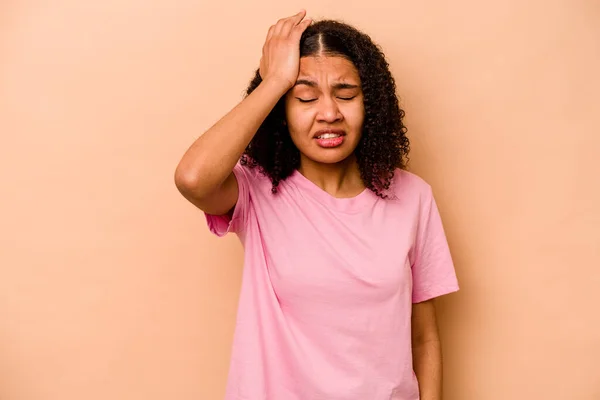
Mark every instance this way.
x=328 y=136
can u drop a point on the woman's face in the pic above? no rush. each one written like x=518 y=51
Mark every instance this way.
x=324 y=110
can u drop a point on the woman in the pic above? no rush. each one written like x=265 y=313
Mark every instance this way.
x=344 y=249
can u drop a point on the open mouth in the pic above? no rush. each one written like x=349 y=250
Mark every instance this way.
x=329 y=135
x=329 y=138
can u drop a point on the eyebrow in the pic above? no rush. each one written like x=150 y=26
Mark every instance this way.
x=335 y=86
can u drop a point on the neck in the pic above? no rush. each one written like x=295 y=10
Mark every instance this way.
x=339 y=179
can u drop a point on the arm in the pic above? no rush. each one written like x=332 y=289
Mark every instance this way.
x=427 y=353
x=204 y=175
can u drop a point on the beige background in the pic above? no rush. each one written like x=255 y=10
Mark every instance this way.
x=111 y=286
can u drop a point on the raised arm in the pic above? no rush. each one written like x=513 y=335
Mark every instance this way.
x=204 y=175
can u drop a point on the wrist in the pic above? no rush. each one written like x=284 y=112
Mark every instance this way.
x=280 y=86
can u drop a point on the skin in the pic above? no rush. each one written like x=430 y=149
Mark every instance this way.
x=427 y=350
x=327 y=94
x=204 y=175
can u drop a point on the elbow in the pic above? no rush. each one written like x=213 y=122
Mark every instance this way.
x=181 y=178
x=186 y=181
x=192 y=184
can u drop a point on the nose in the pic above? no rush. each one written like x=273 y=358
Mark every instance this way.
x=329 y=112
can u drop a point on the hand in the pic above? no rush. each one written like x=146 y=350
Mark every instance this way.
x=280 y=59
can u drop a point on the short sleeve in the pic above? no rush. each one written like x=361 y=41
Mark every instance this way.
x=220 y=225
x=432 y=268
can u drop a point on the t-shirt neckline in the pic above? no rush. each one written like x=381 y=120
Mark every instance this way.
x=344 y=204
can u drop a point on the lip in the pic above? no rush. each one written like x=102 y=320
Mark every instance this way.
x=340 y=132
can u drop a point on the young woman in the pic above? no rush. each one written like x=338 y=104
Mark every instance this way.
x=344 y=249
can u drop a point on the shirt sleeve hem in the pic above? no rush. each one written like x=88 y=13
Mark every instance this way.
x=221 y=225
x=433 y=293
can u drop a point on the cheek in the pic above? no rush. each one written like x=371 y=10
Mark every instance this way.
x=299 y=121
x=355 y=115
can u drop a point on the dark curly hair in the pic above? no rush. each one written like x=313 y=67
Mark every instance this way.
x=383 y=146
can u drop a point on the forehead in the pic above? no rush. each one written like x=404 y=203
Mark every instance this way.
x=323 y=69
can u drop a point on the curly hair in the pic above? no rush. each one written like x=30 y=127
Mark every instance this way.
x=383 y=146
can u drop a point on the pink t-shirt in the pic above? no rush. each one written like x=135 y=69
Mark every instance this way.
x=328 y=286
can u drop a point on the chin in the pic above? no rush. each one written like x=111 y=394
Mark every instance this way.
x=329 y=156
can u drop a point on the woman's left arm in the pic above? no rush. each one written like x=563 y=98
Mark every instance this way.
x=427 y=351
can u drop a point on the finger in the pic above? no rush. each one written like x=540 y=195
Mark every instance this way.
x=279 y=26
x=305 y=24
x=292 y=22
x=270 y=33
x=287 y=28
x=298 y=17
x=288 y=23
x=300 y=28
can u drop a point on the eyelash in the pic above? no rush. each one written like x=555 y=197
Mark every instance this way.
x=311 y=100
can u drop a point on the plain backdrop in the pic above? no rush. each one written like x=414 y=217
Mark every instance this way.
x=111 y=286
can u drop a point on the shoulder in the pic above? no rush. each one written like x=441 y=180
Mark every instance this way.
x=408 y=184
x=252 y=175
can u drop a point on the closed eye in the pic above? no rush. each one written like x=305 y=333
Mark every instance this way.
x=311 y=100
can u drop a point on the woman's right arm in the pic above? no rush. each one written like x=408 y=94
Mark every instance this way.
x=204 y=175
